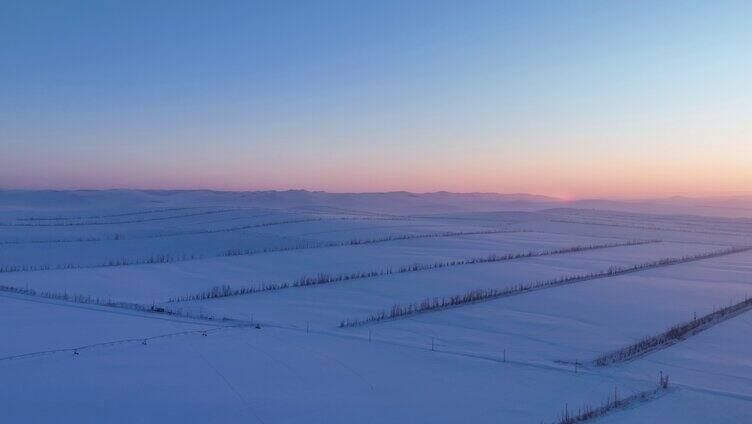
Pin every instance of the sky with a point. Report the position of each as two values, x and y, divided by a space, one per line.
576 99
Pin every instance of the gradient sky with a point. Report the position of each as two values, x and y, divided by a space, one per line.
570 98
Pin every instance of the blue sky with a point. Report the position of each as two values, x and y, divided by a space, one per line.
575 98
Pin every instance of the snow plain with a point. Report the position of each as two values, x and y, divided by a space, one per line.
516 359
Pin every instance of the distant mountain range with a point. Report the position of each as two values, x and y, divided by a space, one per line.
399 202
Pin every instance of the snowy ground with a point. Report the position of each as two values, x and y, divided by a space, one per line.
517 359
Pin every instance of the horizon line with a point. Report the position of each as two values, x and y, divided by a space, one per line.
547 197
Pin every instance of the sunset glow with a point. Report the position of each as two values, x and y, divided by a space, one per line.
490 98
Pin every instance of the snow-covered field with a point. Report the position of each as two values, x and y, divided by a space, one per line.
91 281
